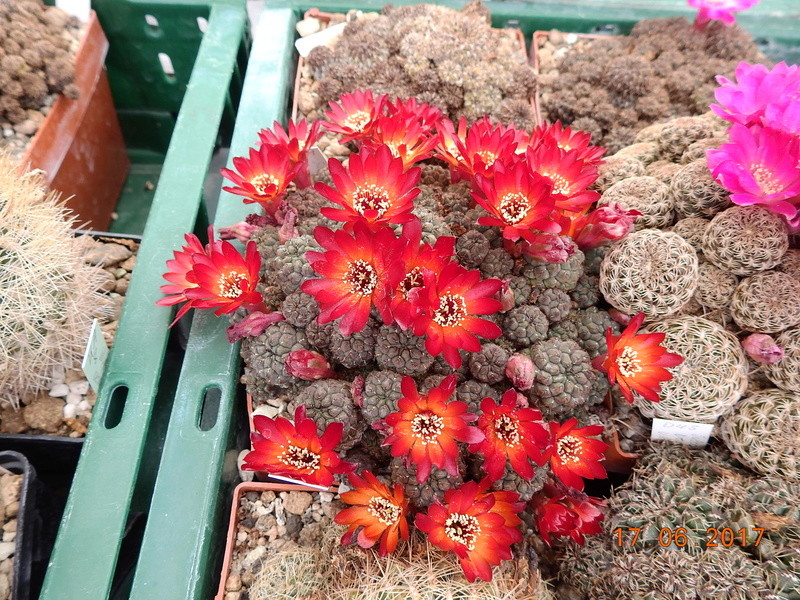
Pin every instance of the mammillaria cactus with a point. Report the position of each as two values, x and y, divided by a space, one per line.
786 372
712 377
745 239
695 192
715 287
646 194
762 432
767 302
649 271
49 296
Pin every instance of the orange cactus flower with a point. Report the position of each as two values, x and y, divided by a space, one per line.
565 138
518 200
226 280
354 115
569 175
575 453
294 450
514 434
637 362
475 149
357 271
448 304
426 427
376 513
375 189
262 177
474 525
506 503
408 138
416 258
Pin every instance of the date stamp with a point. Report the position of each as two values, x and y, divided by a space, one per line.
680 537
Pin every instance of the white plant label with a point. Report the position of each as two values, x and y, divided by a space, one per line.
306 44
682 432
94 360
76 8
290 480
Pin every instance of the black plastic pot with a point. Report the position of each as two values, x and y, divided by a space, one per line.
27 523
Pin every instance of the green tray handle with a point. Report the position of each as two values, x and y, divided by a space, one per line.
198 467
83 562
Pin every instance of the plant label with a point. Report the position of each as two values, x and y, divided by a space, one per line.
76 8
290 480
306 44
681 432
94 360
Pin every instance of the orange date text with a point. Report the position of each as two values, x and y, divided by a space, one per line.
667 536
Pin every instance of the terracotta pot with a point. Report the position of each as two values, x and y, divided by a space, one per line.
240 490
325 17
79 145
617 460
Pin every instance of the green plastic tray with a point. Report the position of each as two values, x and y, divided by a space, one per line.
111 492
180 553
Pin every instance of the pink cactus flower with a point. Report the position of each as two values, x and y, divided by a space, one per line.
784 116
718 10
756 87
762 348
308 365
760 166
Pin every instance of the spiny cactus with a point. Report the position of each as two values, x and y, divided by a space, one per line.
49 296
786 373
767 302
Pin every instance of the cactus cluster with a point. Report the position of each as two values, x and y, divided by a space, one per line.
49 295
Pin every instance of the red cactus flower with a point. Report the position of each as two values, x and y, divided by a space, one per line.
226 280
179 273
354 115
565 138
575 453
376 513
374 189
416 258
426 427
408 139
473 524
262 177
637 363
566 512
519 201
296 142
599 227
448 304
357 271
295 450
475 149
426 115
515 434
569 175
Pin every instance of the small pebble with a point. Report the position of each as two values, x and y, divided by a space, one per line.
59 391
70 411
79 387
74 399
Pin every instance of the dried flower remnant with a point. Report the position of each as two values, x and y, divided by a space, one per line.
262 177
566 512
637 363
354 115
426 427
514 435
760 166
294 450
448 304
598 227
756 89
575 454
762 348
473 524
376 513
520 371
308 365
718 10
374 189
518 201
357 271
252 325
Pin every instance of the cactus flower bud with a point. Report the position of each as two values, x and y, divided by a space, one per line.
551 248
520 370
619 316
252 325
308 365
604 225
762 348
506 296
